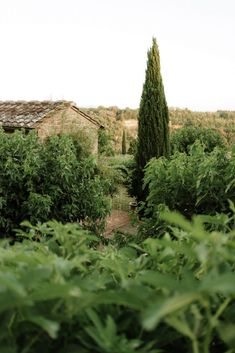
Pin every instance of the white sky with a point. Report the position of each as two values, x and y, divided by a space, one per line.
94 51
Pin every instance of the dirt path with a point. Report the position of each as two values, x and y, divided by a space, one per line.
119 220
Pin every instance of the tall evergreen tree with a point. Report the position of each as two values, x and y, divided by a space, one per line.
153 120
124 142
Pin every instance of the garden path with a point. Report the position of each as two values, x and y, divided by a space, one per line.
121 221
120 218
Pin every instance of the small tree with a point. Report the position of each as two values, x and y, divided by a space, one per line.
124 142
153 120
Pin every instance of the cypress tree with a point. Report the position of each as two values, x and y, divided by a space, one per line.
153 120
124 142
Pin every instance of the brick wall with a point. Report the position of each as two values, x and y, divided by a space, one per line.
68 121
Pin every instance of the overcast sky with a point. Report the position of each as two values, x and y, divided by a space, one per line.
94 52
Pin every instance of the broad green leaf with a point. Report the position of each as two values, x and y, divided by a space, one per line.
227 333
180 325
155 312
131 299
220 283
51 327
159 280
177 219
48 291
11 282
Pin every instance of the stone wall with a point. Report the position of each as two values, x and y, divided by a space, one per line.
68 121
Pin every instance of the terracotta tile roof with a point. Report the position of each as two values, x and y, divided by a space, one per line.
25 114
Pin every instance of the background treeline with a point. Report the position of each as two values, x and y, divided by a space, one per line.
116 120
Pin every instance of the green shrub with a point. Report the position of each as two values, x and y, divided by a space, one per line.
83 142
121 166
198 183
132 145
112 177
63 293
42 181
105 145
183 138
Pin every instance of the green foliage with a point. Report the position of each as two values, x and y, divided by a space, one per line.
153 130
124 142
132 146
117 170
126 165
51 180
113 118
105 143
112 177
182 139
119 159
198 183
122 164
153 139
83 142
63 293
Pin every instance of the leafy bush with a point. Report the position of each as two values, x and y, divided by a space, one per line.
112 177
42 181
121 166
64 294
105 145
83 142
126 165
198 183
183 138
132 145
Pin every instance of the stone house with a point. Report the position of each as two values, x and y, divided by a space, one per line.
48 118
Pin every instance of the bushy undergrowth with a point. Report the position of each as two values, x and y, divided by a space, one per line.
194 183
50 180
64 293
105 143
182 139
122 167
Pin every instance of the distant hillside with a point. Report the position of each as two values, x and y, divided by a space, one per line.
115 120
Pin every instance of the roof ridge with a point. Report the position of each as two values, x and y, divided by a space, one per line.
88 117
28 113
